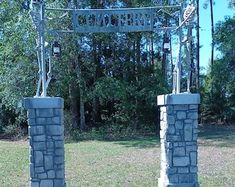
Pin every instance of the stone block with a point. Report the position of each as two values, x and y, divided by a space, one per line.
174 138
49 162
59 160
42 176
44 112
31 113
31 170
31 158
193 158
179 151
193 169
47 183
163 125
171 170
181 161
39 146
59 144
34 184
188 132
36 130
189 121
193 107
173 178
184 170
50 145
60 137
170 109
178 99
58 112
195 136
193 178
162 134
191 143
40 138
54 130
163 116
192 115
43 102
171 129
38 159
60 166
163 109
181 115
170 119
39 170
59 152
57 120
59 183
44 121
179 125
191 148
182 144
32 121
60 174
181 107
176 144
51 174
184 178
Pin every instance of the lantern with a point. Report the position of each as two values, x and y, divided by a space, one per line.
56 49
166 45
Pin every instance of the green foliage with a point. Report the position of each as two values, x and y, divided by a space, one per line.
219 92
114 76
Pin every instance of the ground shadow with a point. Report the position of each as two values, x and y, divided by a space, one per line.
217 135
142 142
137 141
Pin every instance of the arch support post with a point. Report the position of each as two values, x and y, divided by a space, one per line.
46 140
179 134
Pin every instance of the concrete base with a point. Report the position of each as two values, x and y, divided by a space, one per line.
161 183
179 122
178 99
46 136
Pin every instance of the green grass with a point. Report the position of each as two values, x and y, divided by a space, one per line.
133 162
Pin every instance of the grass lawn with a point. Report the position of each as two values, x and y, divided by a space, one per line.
134 162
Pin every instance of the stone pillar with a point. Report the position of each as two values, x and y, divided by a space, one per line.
179 133
46 137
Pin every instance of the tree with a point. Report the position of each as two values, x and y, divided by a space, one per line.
198 46
211 2
231 3
219 92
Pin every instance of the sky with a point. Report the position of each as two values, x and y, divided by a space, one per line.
220 11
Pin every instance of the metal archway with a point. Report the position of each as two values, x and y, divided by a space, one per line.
146 19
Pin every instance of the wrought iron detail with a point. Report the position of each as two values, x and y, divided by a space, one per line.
150 19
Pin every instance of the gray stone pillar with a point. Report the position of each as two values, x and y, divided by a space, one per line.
46 136
179 133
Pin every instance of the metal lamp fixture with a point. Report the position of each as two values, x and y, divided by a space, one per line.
56 49
166 45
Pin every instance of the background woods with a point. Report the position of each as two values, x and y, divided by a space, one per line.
109 81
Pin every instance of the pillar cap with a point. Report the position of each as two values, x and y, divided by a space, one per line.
179 99
43 102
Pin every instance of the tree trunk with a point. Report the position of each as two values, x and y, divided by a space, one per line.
152 48
73 99
138 74
83 126
198 48
212 32
164 61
